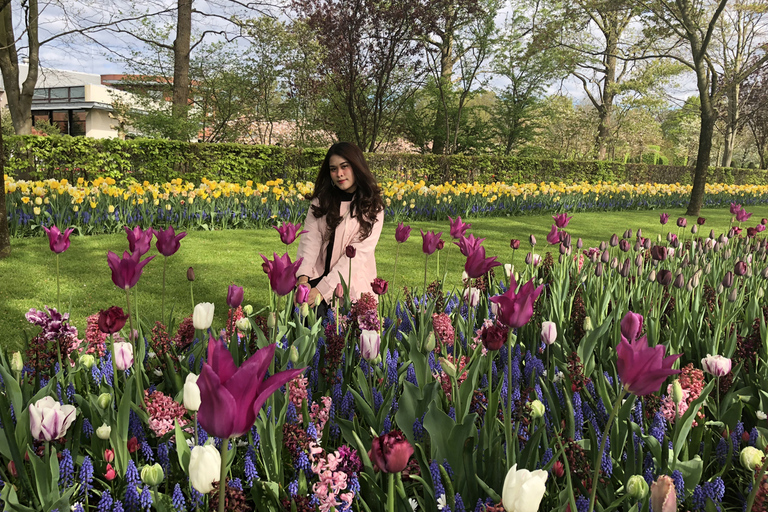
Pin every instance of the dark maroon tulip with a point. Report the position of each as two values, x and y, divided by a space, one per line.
350 251
565 238
469 244
639 233
679 281
458 228
614 241
495 336
289 232
682 222
664 277
391 452
599 269
659 252
127 270
440 244
112 320
139 240
514 243
728 279
58 241
627 234
168 242
751 232
664 218
605 257
625 268
234 296
624 245
281 272
190 274
700 221
430 240
379 286
402 233
478 265
740 268
516 308
764 221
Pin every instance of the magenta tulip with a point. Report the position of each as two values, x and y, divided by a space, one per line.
469 244
562 220
553 237
390 452
234 296
127 270
478 265
643 369
231 397
139 240
516 309
430 239
282 273
302 293
458 228
402 233
742 215
168 242
735 208
58 241
631 325
289 232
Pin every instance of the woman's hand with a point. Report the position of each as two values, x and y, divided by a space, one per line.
313 293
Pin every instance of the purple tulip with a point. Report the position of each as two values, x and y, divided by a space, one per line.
514 244
58 241
742 215
631 325
469 244
562 220
168 242
139 240
664 218
289 232
516 309
402 233
391 452
458 228
478 265
430 240
231 397
127 270
234 296
643 369
282 273
553 237
735 208
302 293
682 222
350 251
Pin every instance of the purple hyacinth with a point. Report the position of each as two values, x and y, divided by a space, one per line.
66 470
146 452
659 426
677 478
86 474
163 457
177 499
578 415
459 504
87 428
106 502
249 468
293 488
437 480
145 500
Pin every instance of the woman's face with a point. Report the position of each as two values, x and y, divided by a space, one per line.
342 174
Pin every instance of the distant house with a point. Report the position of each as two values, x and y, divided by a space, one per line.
78 103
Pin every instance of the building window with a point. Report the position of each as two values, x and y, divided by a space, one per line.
69 122
59 94
77 125
61 119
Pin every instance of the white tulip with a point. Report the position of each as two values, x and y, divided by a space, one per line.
103 431
191 393
202 318
204 467
523 489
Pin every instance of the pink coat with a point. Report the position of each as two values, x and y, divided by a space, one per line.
312 247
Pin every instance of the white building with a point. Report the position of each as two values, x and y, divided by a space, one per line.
77 102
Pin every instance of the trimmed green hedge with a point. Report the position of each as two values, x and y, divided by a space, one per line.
35 157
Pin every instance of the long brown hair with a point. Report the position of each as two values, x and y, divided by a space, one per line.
367 202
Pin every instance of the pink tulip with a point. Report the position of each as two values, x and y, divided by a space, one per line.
548 332
126 271
430 239
289 232
58 241
631 325
553 237
468 244
516 309
716 365
458 228
562 220
478 265
231 397
302 293
643 369
663 496
281 272
390 452
139 240
234 296
123 355
168 242
402 233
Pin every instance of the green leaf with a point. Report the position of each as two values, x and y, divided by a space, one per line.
182 448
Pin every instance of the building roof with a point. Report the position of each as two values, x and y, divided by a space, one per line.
48 77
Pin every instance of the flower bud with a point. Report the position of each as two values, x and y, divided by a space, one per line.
733 295
537 409
637 487
304 309
532 239
588 324
190 274
679 281
17 363
293 354
243 324
103 431
677 391
599 270
652 275
104 400
548 332
429 343
204 468
153 475
448 367
508 270
339 292
109 455
87 360
191 397
248 310
318 299
751 458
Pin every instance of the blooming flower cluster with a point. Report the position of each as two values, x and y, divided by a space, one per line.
163 410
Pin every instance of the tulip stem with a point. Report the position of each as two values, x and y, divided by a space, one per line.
606 433
58 287
756 485
194 420
223 475
426 260
508 423
192 295
394 278
162 302
390 493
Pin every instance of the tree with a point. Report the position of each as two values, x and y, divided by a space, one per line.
693 24
753 95
370 46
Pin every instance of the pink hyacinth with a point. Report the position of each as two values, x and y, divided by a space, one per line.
163 411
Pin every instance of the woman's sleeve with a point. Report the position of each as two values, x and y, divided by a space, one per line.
363 262
309 244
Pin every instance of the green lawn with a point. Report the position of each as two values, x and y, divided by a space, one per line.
28 276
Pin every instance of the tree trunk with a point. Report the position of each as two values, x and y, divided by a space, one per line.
19 97
731 124
445 83
5 236
708 119
605 111
181 50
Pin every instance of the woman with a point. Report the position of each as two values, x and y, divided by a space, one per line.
346 209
